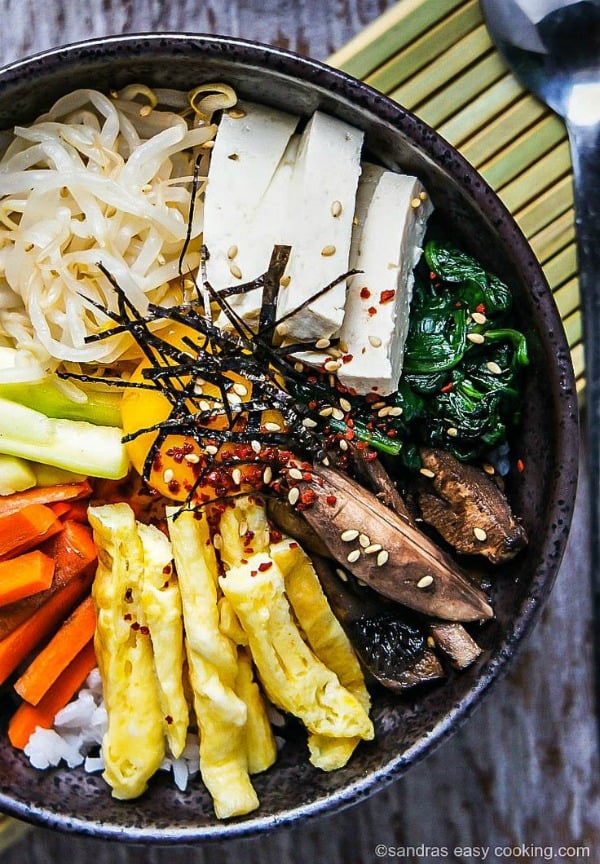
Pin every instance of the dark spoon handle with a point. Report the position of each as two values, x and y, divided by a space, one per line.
585 151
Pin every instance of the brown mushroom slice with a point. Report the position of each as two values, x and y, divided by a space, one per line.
455 643
467 508
392 648
388 553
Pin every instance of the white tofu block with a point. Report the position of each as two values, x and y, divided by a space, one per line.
391 218
248 183
319 230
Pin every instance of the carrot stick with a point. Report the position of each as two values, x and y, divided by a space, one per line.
26 528
27 718
52 660
44 495
25 575
19 644
75 510
73 551
60 508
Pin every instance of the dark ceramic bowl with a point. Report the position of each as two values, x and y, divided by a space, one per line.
406 728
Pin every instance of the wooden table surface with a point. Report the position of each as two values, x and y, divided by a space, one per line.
522 773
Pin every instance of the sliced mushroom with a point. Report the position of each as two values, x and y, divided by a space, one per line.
455 643
467 508
392 648
387 552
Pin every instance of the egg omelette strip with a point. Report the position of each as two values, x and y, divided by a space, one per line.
327 639
133 746
294 679
238 526
212 659
161 604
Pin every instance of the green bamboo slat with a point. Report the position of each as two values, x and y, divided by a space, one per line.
547 206
425 50
435 58
481 111
566 297
535 179
397 27
524 151
449 64
512 121
554 237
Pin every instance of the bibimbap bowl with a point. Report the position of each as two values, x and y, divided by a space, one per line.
408 726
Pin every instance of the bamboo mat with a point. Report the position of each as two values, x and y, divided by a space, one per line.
436 58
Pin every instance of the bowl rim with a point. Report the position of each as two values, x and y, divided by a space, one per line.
384 110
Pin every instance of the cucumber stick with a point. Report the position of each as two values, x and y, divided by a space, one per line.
73 445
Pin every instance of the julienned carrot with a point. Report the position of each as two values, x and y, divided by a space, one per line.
27 718
18 645
44 495
25 575
73 510
73 551
26 528
59 653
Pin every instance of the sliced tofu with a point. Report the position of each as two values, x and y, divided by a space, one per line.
248 184
391 217
321 210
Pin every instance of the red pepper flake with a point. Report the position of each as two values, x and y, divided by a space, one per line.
136 625
432 275
167 570
386 296
392 433
128 616
293 545
264 566
331 500
362 445
372 310
168 719
243 560
253 572
365 293
308 497
371 455
275 536
349 434
145 631
447 387
347 358
307 477
480 308
520 466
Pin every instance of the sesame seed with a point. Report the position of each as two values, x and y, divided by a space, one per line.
493 368
325 461
267 475
272 427
299 367
476 338
309 423
374 547
192 458
345 405
343 346
240 388
489 469
293 495
343 444
295 473
322 343
285 281
383 412
452 431
364 540
336 209
327 411
243 528
341 574
478 317
211 449
377 405
335 353
396 411
338 414
168 475
232 252
145 110
234 399
427 472
198 389
480 534
203 405
236 113
425 582
423 196
328 251
416 202
375 341
332 365
353 556
218 541
236 476
235 271
382 557
349 535
281 329
208 145
255 446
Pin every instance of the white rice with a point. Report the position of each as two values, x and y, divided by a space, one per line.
77 733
